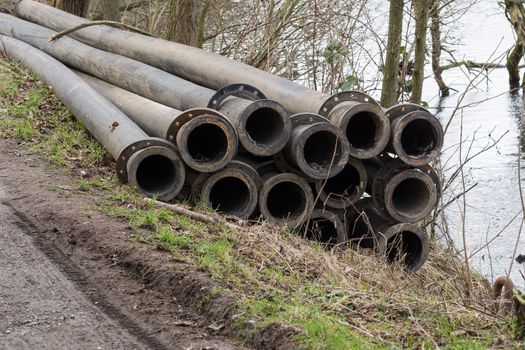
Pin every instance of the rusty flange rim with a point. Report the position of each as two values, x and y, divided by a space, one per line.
345 96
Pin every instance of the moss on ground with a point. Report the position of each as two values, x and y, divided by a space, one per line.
334 300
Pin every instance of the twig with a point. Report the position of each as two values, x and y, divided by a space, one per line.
57 36
191 214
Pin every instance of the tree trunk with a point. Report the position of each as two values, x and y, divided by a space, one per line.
421 14
76 7
513 61
183 21
390 79
103 10
435 32
516 15
201 26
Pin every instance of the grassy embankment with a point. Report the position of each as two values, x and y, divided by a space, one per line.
335 300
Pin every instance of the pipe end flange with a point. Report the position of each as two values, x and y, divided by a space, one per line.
264 128
206 140
417 137
286 199
156 171
410 196
406 243
232 190
320 150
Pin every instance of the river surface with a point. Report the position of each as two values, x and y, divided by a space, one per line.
488 114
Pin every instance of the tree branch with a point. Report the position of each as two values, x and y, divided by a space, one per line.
57 36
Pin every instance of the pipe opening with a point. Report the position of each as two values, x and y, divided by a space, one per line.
405 247
410 196
229 195
156 174
319 150
343 185
207 143
361 130
322 230
418 137
286 200
265 126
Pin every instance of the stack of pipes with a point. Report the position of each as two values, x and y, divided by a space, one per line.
242 141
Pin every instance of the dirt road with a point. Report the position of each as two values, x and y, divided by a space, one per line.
72 278
40 307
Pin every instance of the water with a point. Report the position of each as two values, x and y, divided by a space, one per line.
489 114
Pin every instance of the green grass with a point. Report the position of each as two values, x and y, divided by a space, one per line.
341 300
35 114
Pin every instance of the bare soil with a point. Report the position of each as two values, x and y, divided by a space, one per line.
79 278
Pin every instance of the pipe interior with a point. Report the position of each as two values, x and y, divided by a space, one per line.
361 233
265 126
405 247
319 150
156 174
286 200
344 184
410 196
207 143
361 130
322 230
418 137
229 195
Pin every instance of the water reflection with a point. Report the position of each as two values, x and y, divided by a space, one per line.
515 101
487 123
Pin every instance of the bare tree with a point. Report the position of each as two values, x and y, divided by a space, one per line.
435 33
183 21
389 92
104 10
421 13
76 7
515 12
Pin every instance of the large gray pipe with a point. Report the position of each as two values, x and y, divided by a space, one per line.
316 147
416 135
206 140
325 227
149 164
285 199
263 125
366 126
232 190
345 188
398 242
402 192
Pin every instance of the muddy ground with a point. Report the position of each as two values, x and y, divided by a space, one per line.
70 277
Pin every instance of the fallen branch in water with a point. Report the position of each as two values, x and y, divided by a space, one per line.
473 65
